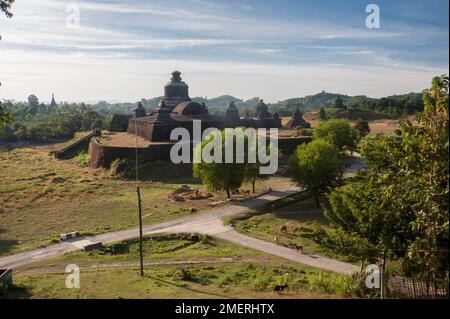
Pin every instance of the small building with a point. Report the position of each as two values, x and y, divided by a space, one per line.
297 120
232 115
177 109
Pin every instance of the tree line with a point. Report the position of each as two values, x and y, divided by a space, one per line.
395 209
35 121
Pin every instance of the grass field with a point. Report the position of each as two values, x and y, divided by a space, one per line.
178 266
41 197
293 213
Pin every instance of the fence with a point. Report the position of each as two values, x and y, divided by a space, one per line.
408 287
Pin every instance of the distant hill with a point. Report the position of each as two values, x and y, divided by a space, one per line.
405 104
351 114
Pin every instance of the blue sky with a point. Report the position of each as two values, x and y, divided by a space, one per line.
125 50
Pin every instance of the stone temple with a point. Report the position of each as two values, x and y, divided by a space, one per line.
176 109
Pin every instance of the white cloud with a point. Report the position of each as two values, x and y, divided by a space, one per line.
88 77
99 58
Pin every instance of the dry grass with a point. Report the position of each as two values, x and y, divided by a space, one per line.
209 268
41 197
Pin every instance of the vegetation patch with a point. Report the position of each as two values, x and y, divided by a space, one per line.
179 266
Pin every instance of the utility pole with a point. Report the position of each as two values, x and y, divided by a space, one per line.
140 231
141 257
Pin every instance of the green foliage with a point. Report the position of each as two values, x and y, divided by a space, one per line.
228 176
39 122
5 117
5 7
398 207
362 127
322 114
406 104
338 132
300 131
82 159
338 103
252 174
316 166
395 105
364 227
345 286
220 176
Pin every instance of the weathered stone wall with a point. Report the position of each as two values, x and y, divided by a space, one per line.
287 145
103 156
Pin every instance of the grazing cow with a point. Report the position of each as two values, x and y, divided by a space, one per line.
295 229
283 228
298 248
280 288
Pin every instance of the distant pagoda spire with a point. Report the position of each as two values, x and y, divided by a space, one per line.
53 102
232 113
139 111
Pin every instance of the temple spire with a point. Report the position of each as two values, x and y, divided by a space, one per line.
53 102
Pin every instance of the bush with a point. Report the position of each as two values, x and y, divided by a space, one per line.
342 285
338 132
83 159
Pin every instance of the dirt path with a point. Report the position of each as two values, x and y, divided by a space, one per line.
209 223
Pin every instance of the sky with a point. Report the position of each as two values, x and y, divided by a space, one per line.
126 50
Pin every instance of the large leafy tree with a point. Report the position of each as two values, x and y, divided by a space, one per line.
224 176
398 207
366 228
220 176
316 166
338 132
5 117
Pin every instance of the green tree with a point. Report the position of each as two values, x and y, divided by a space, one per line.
5 7
252 175
362 127
398 207
220 176
338 132
316 166
365 228
5 117
322 114
339 103
33 101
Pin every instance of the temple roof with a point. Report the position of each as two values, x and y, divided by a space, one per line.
176 90
262 111
190 108
139 111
